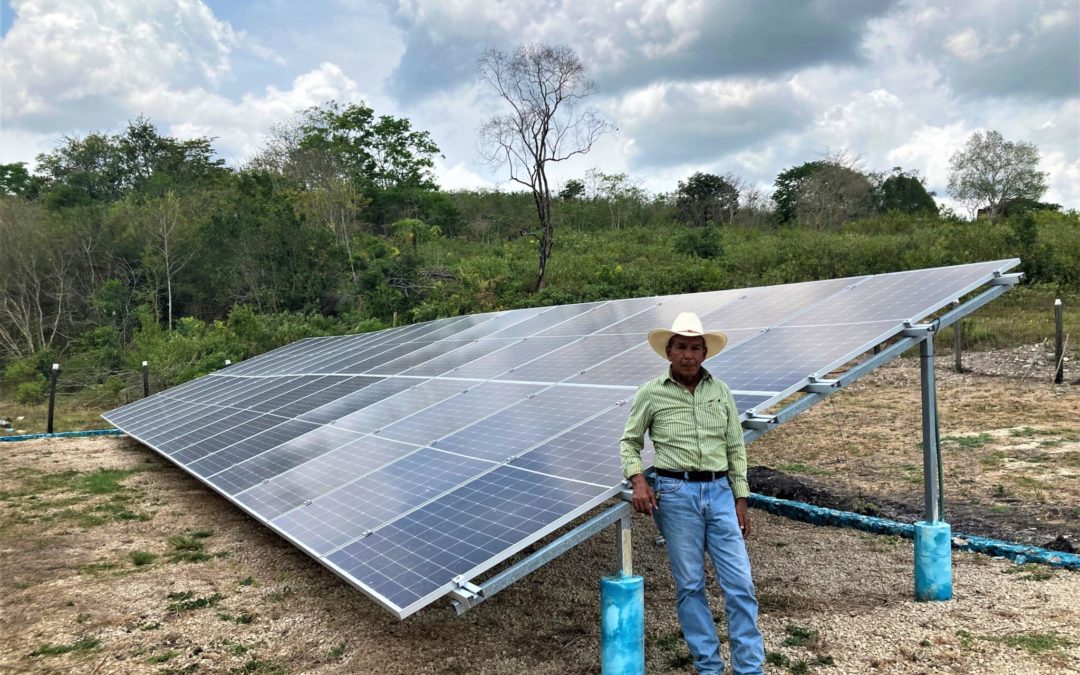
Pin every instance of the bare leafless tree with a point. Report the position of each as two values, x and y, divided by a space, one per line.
170 245
544 87
35 281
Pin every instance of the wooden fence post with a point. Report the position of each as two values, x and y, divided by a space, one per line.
145 379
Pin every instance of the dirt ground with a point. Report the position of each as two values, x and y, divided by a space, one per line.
113 561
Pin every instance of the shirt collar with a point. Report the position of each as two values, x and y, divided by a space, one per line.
705 375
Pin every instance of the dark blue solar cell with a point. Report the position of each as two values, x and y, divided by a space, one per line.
357 400
338 517
530 422
783 357
414 560
250 447
225 438
458 411
393 408
504 360
573 359
322 475
288 455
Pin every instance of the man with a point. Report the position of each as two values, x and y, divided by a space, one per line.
698 493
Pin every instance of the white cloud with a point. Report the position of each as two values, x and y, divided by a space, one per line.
57 52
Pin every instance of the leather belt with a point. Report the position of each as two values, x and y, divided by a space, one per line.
692 476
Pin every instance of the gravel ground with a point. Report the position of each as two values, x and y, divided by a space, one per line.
827 595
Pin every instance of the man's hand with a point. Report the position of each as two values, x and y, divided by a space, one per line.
643 499
742 513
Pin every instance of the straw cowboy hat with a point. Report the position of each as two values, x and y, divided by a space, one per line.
687 324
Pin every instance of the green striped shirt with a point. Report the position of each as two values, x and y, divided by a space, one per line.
691 432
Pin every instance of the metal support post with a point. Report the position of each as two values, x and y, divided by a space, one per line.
145 379
958 346
933 537
52 396
931 511
1059 344
624 552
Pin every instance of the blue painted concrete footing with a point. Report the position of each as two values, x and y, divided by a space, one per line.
933 561
63 434
622 625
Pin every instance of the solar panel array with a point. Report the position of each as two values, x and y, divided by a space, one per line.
412 459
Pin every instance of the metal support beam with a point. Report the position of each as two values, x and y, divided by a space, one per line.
471 595
932 513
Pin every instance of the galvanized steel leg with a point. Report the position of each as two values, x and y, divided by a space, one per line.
931 512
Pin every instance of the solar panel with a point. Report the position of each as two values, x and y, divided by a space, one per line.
411 459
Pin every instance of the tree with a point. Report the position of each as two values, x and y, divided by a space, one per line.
621 195
823 193
16 181
36 293
832 196
572 189
707 198
543 86
788 186
906 193
991 171
99 168
383 153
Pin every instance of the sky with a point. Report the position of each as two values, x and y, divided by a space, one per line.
721 86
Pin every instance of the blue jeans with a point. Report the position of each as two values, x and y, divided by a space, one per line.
699 517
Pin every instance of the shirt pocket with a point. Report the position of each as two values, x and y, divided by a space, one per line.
715 417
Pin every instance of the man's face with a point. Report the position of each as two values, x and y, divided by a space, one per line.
686 355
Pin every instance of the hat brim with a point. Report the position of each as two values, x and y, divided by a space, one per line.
715 341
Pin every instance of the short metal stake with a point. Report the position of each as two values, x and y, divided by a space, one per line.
623 549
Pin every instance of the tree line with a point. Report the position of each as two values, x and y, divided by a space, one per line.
119 247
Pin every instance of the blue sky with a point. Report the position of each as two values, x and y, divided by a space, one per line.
744 88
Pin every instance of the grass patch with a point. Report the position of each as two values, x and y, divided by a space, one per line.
186 602
966 638
259 666
247 581
54 650
141 558
163 657
777 659
188 548
337 651
909 473
104 481
1035 643
1030 572
799 636
150 626
994 459
94 569
1029 432
968 442
804 469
